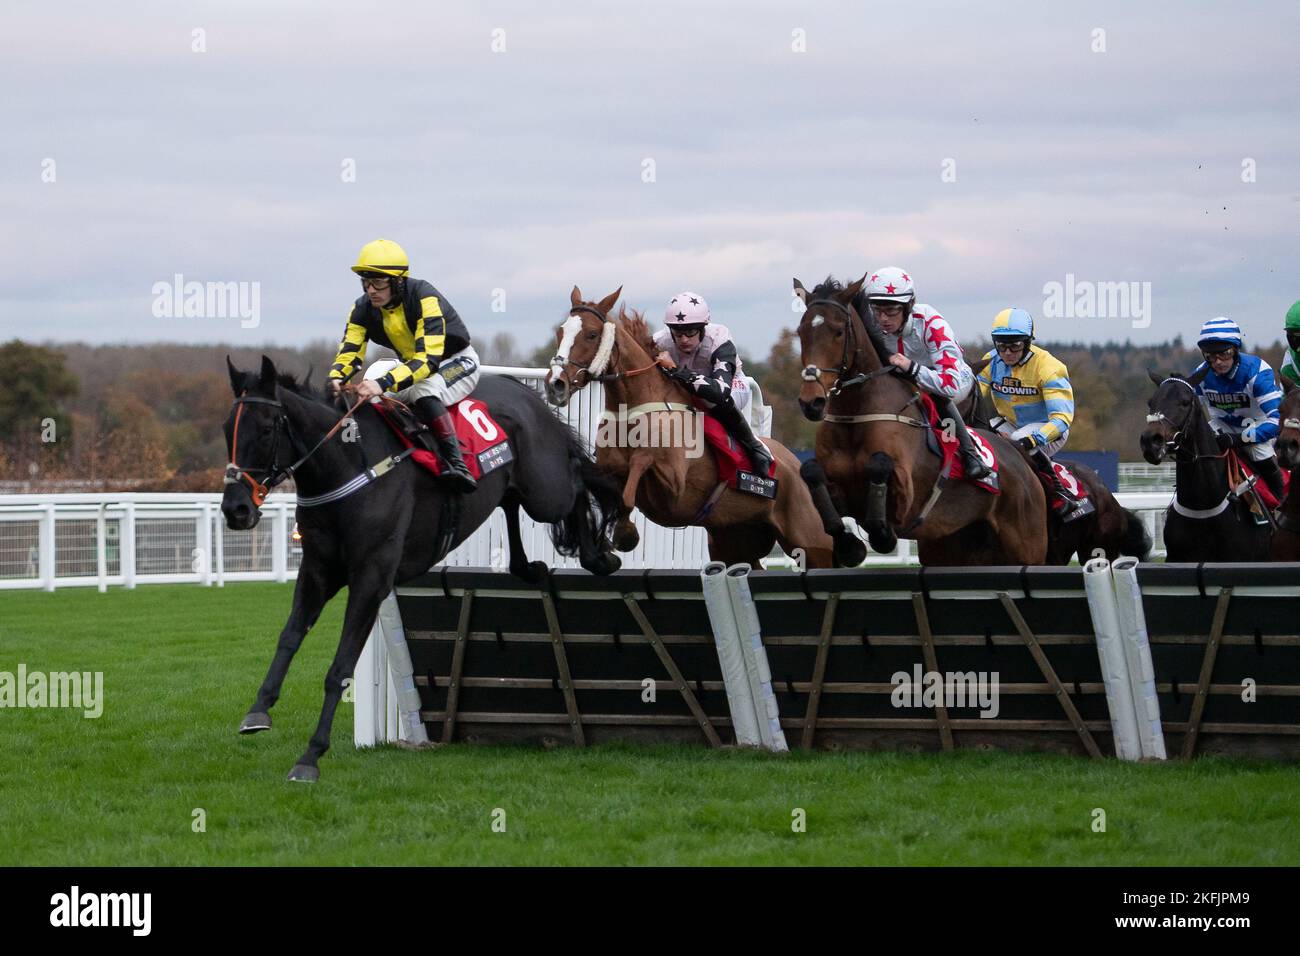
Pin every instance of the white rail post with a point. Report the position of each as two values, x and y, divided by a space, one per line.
221 555
47 563
205 543
126 544
280 544
101 547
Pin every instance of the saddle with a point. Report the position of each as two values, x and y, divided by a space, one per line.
483 442
1240 472
735 469
948 449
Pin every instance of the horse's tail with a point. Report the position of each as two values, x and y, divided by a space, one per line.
600 498
1137 540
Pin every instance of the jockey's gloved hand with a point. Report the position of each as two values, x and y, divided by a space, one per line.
1225 441
910 371
1026 443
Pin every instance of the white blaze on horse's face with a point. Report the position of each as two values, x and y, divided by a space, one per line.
817 321
568 333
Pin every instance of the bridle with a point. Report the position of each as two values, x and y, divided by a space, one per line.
813 373
584 368
1174 444
237 474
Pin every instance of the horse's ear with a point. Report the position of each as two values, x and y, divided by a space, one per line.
851 292
801 292
1288 385
1156 379
306 379
268 373
981 365
607 303
575 297
236 377
1199 377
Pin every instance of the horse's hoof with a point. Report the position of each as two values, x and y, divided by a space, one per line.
532 572
254 721
627 542
304 773
850 552
605 564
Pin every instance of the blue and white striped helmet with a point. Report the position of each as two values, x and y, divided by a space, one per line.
1221 329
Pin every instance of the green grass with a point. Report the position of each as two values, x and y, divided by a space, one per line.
181 665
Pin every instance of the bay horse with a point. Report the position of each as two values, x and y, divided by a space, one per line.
872 462
368 522
1286 538
1110 531
671 488
1205 522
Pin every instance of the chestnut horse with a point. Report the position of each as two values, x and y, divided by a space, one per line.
878 468
670 487
1286 539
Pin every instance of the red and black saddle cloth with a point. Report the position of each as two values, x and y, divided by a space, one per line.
1239 469
483 442
1075 488
735 470
948 449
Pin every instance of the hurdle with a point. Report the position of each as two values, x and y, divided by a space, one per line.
885 659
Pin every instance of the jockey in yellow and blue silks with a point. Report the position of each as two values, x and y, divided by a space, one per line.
438 367
1031 392
1243 398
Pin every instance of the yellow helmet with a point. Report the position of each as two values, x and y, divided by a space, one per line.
382 257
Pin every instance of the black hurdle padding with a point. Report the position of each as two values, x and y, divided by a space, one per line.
609 657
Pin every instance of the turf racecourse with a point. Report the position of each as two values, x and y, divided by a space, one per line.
181 664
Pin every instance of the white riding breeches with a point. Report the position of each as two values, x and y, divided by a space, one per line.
455 378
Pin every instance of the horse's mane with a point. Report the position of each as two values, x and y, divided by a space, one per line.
633 320
300 386
830 286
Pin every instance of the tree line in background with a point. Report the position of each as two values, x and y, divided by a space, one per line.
149 417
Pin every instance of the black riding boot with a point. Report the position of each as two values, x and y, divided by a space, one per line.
1070 505
455 476
733 420
1271 472
970 456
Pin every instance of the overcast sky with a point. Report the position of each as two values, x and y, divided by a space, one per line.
988 148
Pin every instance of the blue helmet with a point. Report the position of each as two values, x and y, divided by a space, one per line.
1013 324
1221 329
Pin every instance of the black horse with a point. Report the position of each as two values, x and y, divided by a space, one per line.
1205 522
385 520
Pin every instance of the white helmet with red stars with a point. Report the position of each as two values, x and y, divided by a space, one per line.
687 308
891 284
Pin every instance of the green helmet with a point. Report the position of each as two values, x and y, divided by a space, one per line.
1293 317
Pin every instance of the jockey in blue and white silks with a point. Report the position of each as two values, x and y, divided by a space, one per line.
1242 397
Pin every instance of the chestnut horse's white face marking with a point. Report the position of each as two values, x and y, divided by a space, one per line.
571 327
817 320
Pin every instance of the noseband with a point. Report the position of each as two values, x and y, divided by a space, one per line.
1174 445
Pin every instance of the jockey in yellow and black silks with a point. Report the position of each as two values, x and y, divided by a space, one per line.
437 366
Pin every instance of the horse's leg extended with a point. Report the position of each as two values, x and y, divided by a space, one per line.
367 588
317 583
798 524
520 566
849 551
626 537
882 537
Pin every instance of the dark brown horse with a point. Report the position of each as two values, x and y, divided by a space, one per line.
1109 531
1206 521
872 459
1286 538
670 487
